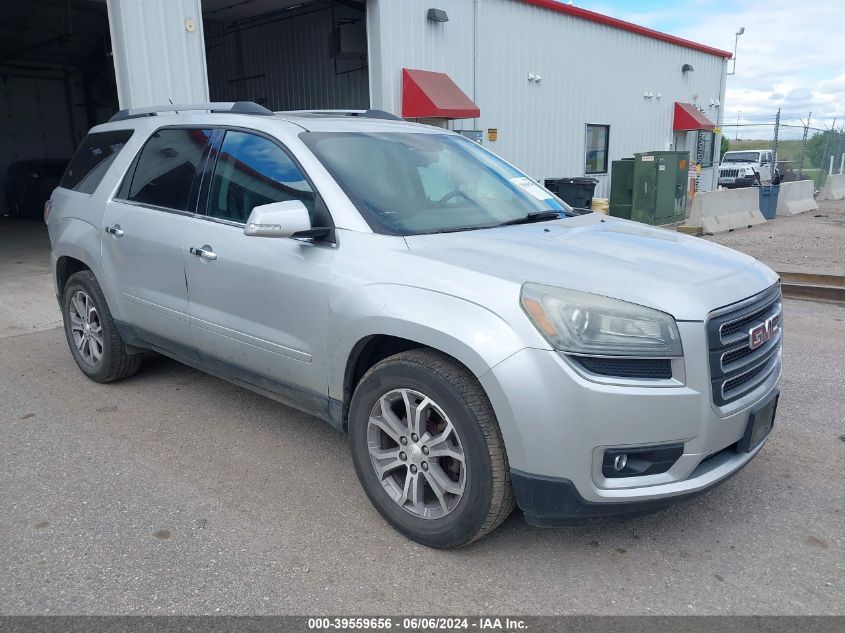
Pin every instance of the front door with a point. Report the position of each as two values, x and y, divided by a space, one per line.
258 306
144 231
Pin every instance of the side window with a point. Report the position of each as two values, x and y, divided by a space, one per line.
250 171
92 160
166 168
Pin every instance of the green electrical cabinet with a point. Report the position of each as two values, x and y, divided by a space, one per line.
621 188
658 187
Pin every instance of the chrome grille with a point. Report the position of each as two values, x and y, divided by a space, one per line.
729 173
735 368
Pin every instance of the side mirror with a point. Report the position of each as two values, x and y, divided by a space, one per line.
278 219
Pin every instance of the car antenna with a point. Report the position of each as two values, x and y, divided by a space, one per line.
171 103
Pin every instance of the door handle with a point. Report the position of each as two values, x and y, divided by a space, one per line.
114 231
205 252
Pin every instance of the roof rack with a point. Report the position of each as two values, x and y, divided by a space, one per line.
233 107
367 114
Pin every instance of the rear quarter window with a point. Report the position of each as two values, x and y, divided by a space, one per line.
92 160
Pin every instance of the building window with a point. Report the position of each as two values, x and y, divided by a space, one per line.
596 153
705 148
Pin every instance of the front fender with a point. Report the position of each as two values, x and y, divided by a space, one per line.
472 334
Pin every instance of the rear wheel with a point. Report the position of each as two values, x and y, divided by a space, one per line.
91 335
428 450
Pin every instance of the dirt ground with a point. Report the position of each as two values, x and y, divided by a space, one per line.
813 242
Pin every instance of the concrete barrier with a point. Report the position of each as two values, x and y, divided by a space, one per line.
725 210
834 188
796 197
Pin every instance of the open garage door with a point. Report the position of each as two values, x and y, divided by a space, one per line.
287 54
56 81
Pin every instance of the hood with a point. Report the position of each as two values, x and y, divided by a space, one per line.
684 276
735 165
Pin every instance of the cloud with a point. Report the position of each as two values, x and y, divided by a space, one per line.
799 94
789 57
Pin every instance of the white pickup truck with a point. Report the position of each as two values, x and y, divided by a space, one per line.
747 168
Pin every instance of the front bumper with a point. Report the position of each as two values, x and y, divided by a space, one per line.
556 424
730 182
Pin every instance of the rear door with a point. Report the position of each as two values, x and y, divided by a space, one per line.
258 305
144 236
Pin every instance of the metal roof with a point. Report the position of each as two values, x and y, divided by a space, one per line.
600 18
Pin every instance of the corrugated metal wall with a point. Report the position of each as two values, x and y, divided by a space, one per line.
284 63
591 73
158 52
400 36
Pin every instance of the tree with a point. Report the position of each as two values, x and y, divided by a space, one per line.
726 145
829 140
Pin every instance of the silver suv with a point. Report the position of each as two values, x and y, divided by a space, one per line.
481 344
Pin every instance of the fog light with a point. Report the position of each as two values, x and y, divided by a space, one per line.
620 461
640 460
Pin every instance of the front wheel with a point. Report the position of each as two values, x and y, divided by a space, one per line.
428 450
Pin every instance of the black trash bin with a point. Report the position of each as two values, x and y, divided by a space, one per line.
576 192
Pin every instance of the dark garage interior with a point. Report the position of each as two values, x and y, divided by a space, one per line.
56 81
57 74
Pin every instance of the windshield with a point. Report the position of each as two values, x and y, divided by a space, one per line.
741 157
405 183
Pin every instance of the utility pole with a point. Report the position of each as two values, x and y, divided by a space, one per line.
804 145
736 134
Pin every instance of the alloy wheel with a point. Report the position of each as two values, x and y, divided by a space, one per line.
86 328
416 453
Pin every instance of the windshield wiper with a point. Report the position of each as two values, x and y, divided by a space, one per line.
536 216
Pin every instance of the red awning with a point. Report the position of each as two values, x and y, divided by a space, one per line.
688 117
427 94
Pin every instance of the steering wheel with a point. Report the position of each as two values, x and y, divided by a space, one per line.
453 194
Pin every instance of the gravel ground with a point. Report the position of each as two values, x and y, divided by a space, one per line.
173 492
813 242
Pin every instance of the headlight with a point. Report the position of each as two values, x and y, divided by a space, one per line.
584 323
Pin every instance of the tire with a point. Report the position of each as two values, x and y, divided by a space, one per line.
83 303
459 420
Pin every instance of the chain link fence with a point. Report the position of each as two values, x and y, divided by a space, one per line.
803 149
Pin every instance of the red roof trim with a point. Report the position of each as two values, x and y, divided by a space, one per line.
428 94
592 16
688 117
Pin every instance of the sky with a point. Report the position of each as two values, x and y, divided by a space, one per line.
788 58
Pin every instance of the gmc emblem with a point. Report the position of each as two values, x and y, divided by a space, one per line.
762 333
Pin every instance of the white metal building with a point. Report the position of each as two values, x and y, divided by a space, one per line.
555 89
